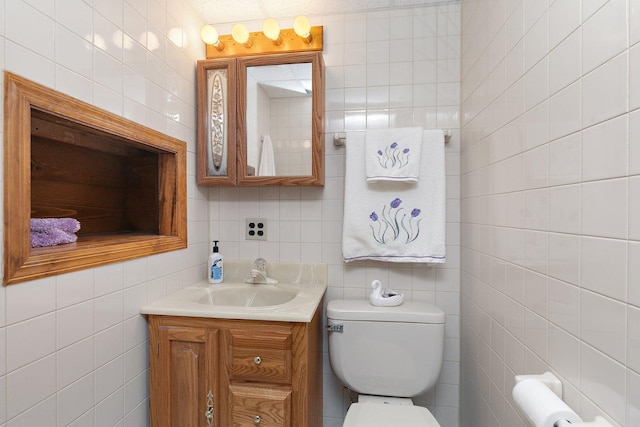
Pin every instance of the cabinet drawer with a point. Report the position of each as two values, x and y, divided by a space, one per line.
259 407
257 356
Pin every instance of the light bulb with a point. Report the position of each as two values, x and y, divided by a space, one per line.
240 34
271 30
210 36
302 27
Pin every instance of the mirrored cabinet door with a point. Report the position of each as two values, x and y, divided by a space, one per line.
280 119
261 120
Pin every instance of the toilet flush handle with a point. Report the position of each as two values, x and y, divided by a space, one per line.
336 327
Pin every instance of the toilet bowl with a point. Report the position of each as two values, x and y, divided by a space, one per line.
376 415
384 411
387 355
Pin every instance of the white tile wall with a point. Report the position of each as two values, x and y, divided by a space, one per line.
601 160
612 20
634 59
603 266
73 347
601 102
563 165
604 208
569 299
564 111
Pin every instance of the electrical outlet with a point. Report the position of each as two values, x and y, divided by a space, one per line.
256 229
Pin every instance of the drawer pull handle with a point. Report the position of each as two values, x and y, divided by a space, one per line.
257 419
257 360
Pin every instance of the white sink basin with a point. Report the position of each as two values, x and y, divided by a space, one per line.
295 298
247 296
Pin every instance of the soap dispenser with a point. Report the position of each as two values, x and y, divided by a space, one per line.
215 271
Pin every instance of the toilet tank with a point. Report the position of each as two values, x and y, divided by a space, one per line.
387 351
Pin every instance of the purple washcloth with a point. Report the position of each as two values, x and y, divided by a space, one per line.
68 225
51 237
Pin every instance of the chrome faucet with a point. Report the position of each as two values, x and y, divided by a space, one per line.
259 273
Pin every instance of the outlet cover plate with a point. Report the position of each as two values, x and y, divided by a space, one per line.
256 229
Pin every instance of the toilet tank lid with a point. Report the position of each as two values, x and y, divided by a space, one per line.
408 311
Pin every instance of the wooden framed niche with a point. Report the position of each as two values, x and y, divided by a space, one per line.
124 183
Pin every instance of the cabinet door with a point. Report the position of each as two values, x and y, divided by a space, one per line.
216 92
258 406
183 377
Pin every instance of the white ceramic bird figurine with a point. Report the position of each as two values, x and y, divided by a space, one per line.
388 298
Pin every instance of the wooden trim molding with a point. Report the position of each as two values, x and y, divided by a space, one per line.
95 130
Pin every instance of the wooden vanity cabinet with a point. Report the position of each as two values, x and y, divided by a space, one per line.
259 373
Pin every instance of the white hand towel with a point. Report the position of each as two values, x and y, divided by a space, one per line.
393 154
267 161
391 221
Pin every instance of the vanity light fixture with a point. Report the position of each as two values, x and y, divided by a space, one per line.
301 38
271 30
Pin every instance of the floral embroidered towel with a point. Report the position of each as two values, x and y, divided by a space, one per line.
392 221
393 154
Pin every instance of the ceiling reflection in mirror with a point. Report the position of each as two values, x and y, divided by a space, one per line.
279 125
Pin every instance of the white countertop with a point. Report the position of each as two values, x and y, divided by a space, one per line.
307 280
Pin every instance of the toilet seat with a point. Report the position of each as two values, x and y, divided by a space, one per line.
380 415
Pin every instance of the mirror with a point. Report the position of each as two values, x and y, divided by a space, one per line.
279 139
280 119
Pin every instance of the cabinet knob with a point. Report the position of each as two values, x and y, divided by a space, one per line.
257 419
257 360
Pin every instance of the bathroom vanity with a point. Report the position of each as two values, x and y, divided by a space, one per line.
241 372
251 362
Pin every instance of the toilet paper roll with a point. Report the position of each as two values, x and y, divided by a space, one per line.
540 405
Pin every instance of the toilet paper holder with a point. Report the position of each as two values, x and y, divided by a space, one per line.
555 385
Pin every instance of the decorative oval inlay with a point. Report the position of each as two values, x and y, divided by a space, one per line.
217 121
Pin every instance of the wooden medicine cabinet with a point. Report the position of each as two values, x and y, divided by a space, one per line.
124 183
244 101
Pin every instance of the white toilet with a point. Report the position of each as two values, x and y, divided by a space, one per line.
387 355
